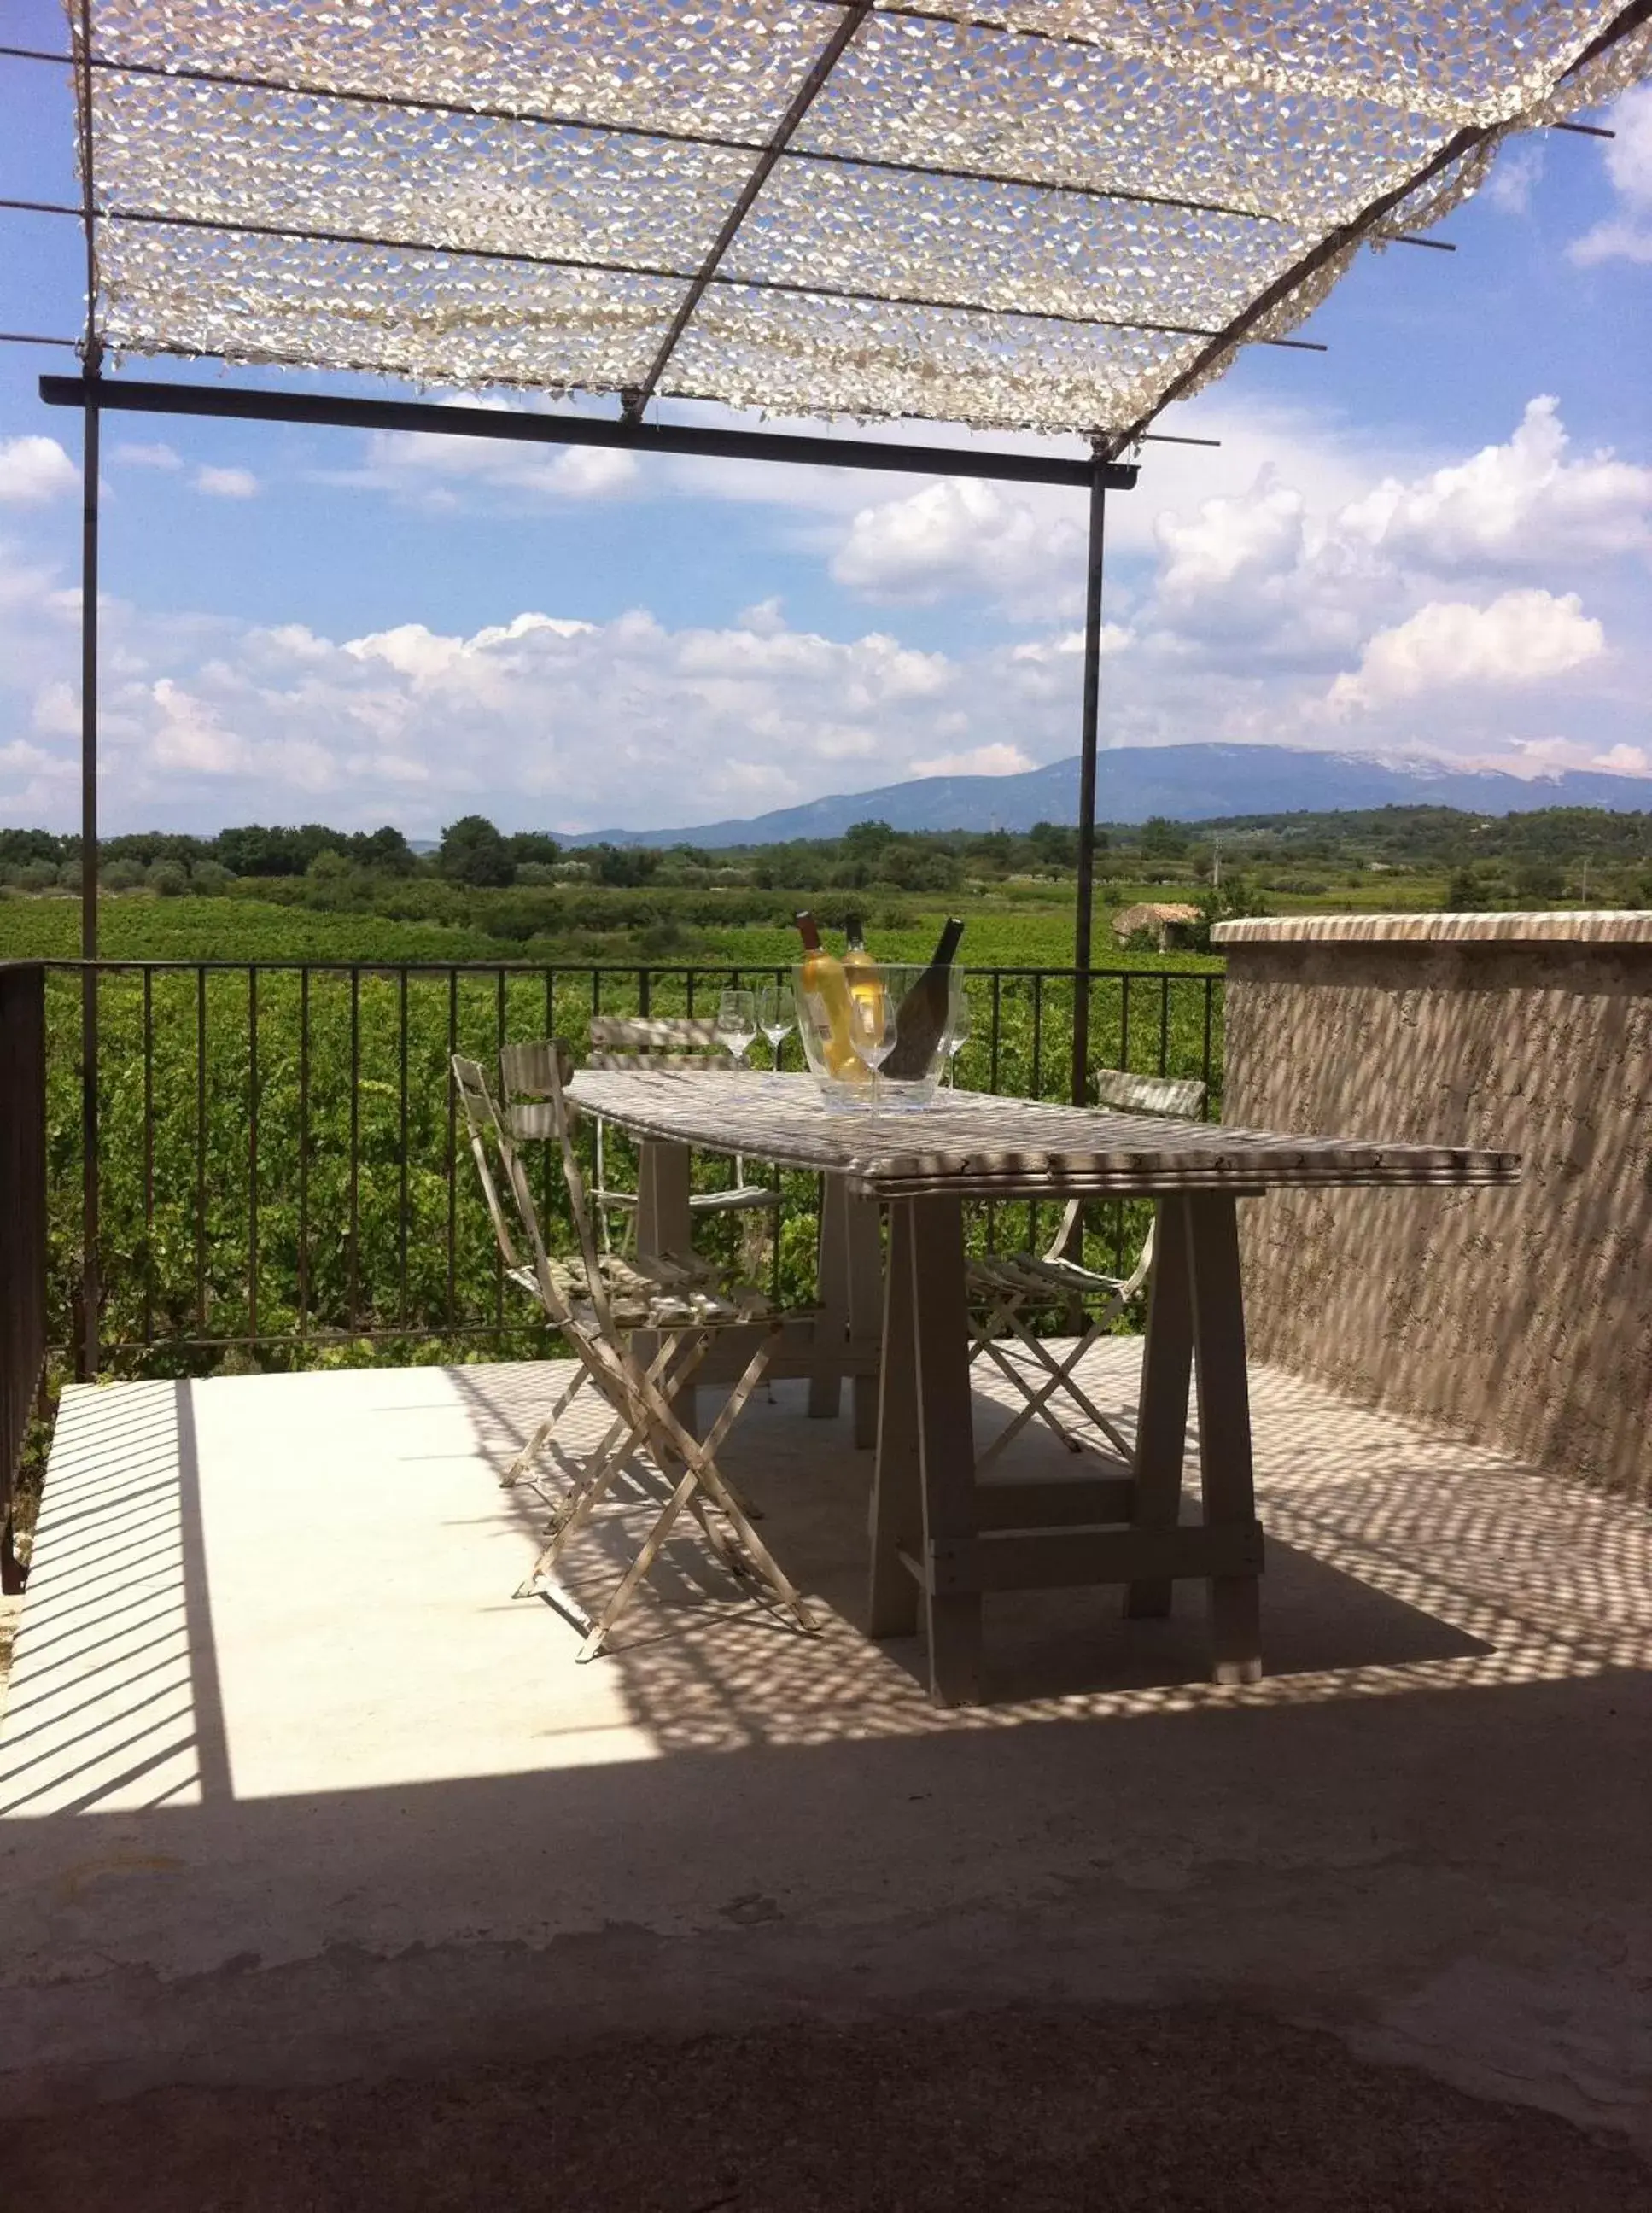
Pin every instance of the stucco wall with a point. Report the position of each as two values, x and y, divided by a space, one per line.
1522 1317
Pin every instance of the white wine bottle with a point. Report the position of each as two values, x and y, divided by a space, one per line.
922 1017
825 996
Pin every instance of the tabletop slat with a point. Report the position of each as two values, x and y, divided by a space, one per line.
975 1144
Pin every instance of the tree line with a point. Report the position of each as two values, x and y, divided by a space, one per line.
1548 853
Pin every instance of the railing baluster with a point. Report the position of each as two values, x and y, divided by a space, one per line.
252 1150
303 1151
1209 993
200 1149
452 1145
493 1077
148 1156
402 1245
354 1293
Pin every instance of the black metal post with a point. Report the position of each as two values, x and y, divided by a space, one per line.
1083 919
91 419
88 1349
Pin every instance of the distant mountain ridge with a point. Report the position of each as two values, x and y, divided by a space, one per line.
1189 783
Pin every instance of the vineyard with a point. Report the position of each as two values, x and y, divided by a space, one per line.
281 1178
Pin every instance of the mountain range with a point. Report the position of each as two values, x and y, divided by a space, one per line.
1188 784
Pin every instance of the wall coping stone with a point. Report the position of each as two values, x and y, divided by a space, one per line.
1594 928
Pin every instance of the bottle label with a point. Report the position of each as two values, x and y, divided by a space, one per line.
819 1020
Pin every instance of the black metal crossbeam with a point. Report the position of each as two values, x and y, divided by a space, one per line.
243 403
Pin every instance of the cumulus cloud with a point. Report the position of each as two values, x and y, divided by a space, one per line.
33 470
1515 176
960 534
1626 234
1521 502
225 482
147 457
1521 639
979 761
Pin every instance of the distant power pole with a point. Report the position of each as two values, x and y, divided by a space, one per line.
1215 863
1586 879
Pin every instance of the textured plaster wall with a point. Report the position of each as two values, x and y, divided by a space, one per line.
1522 1317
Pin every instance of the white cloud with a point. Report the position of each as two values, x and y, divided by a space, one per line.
1524 501
1626 234
1521 639
33 470
1515 176
147 457
189 735
226 484
979 761
960 534
432 469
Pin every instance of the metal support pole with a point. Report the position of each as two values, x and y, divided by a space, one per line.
91 419
88 1361
1083 923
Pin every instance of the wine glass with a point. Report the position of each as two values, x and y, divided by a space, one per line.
872 1030
736 1025
777 1017
958 1029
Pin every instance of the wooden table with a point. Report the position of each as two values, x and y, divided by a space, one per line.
940 1539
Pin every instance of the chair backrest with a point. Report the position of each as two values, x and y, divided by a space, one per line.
1173 1095
481 1124
483 1120
672 1042
539 1067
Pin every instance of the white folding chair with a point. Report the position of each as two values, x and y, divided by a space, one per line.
601 1303
669 1042
1006 1288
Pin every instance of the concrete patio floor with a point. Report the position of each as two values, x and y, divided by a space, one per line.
292 1792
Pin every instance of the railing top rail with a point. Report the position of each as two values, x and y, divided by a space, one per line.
371 966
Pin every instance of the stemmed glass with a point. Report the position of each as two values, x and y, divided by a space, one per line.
777 1017
872 1030
958 1028
736 1025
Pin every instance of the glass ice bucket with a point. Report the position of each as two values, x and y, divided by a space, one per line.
877 1040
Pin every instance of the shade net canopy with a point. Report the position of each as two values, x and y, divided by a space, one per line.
1056 215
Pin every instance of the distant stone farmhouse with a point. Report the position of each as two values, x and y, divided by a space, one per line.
1166 922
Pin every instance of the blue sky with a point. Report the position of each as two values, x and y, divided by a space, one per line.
1432 539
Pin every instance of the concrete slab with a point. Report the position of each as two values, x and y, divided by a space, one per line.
291 1790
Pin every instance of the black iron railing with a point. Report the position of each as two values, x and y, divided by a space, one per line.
279 1172
23 1227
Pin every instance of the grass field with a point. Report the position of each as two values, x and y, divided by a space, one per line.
1001 932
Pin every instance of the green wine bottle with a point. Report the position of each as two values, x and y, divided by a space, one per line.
922 1016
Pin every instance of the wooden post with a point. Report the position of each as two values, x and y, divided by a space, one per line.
897 1480
1167 1367
1224 1423
946 1440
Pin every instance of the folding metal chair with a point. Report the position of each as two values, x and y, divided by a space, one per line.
1006 1288
669 1042
601 1303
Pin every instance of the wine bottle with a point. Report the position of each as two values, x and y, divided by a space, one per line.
861 973
825 1000
922 1012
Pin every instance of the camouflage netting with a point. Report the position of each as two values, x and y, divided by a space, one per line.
1052 214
